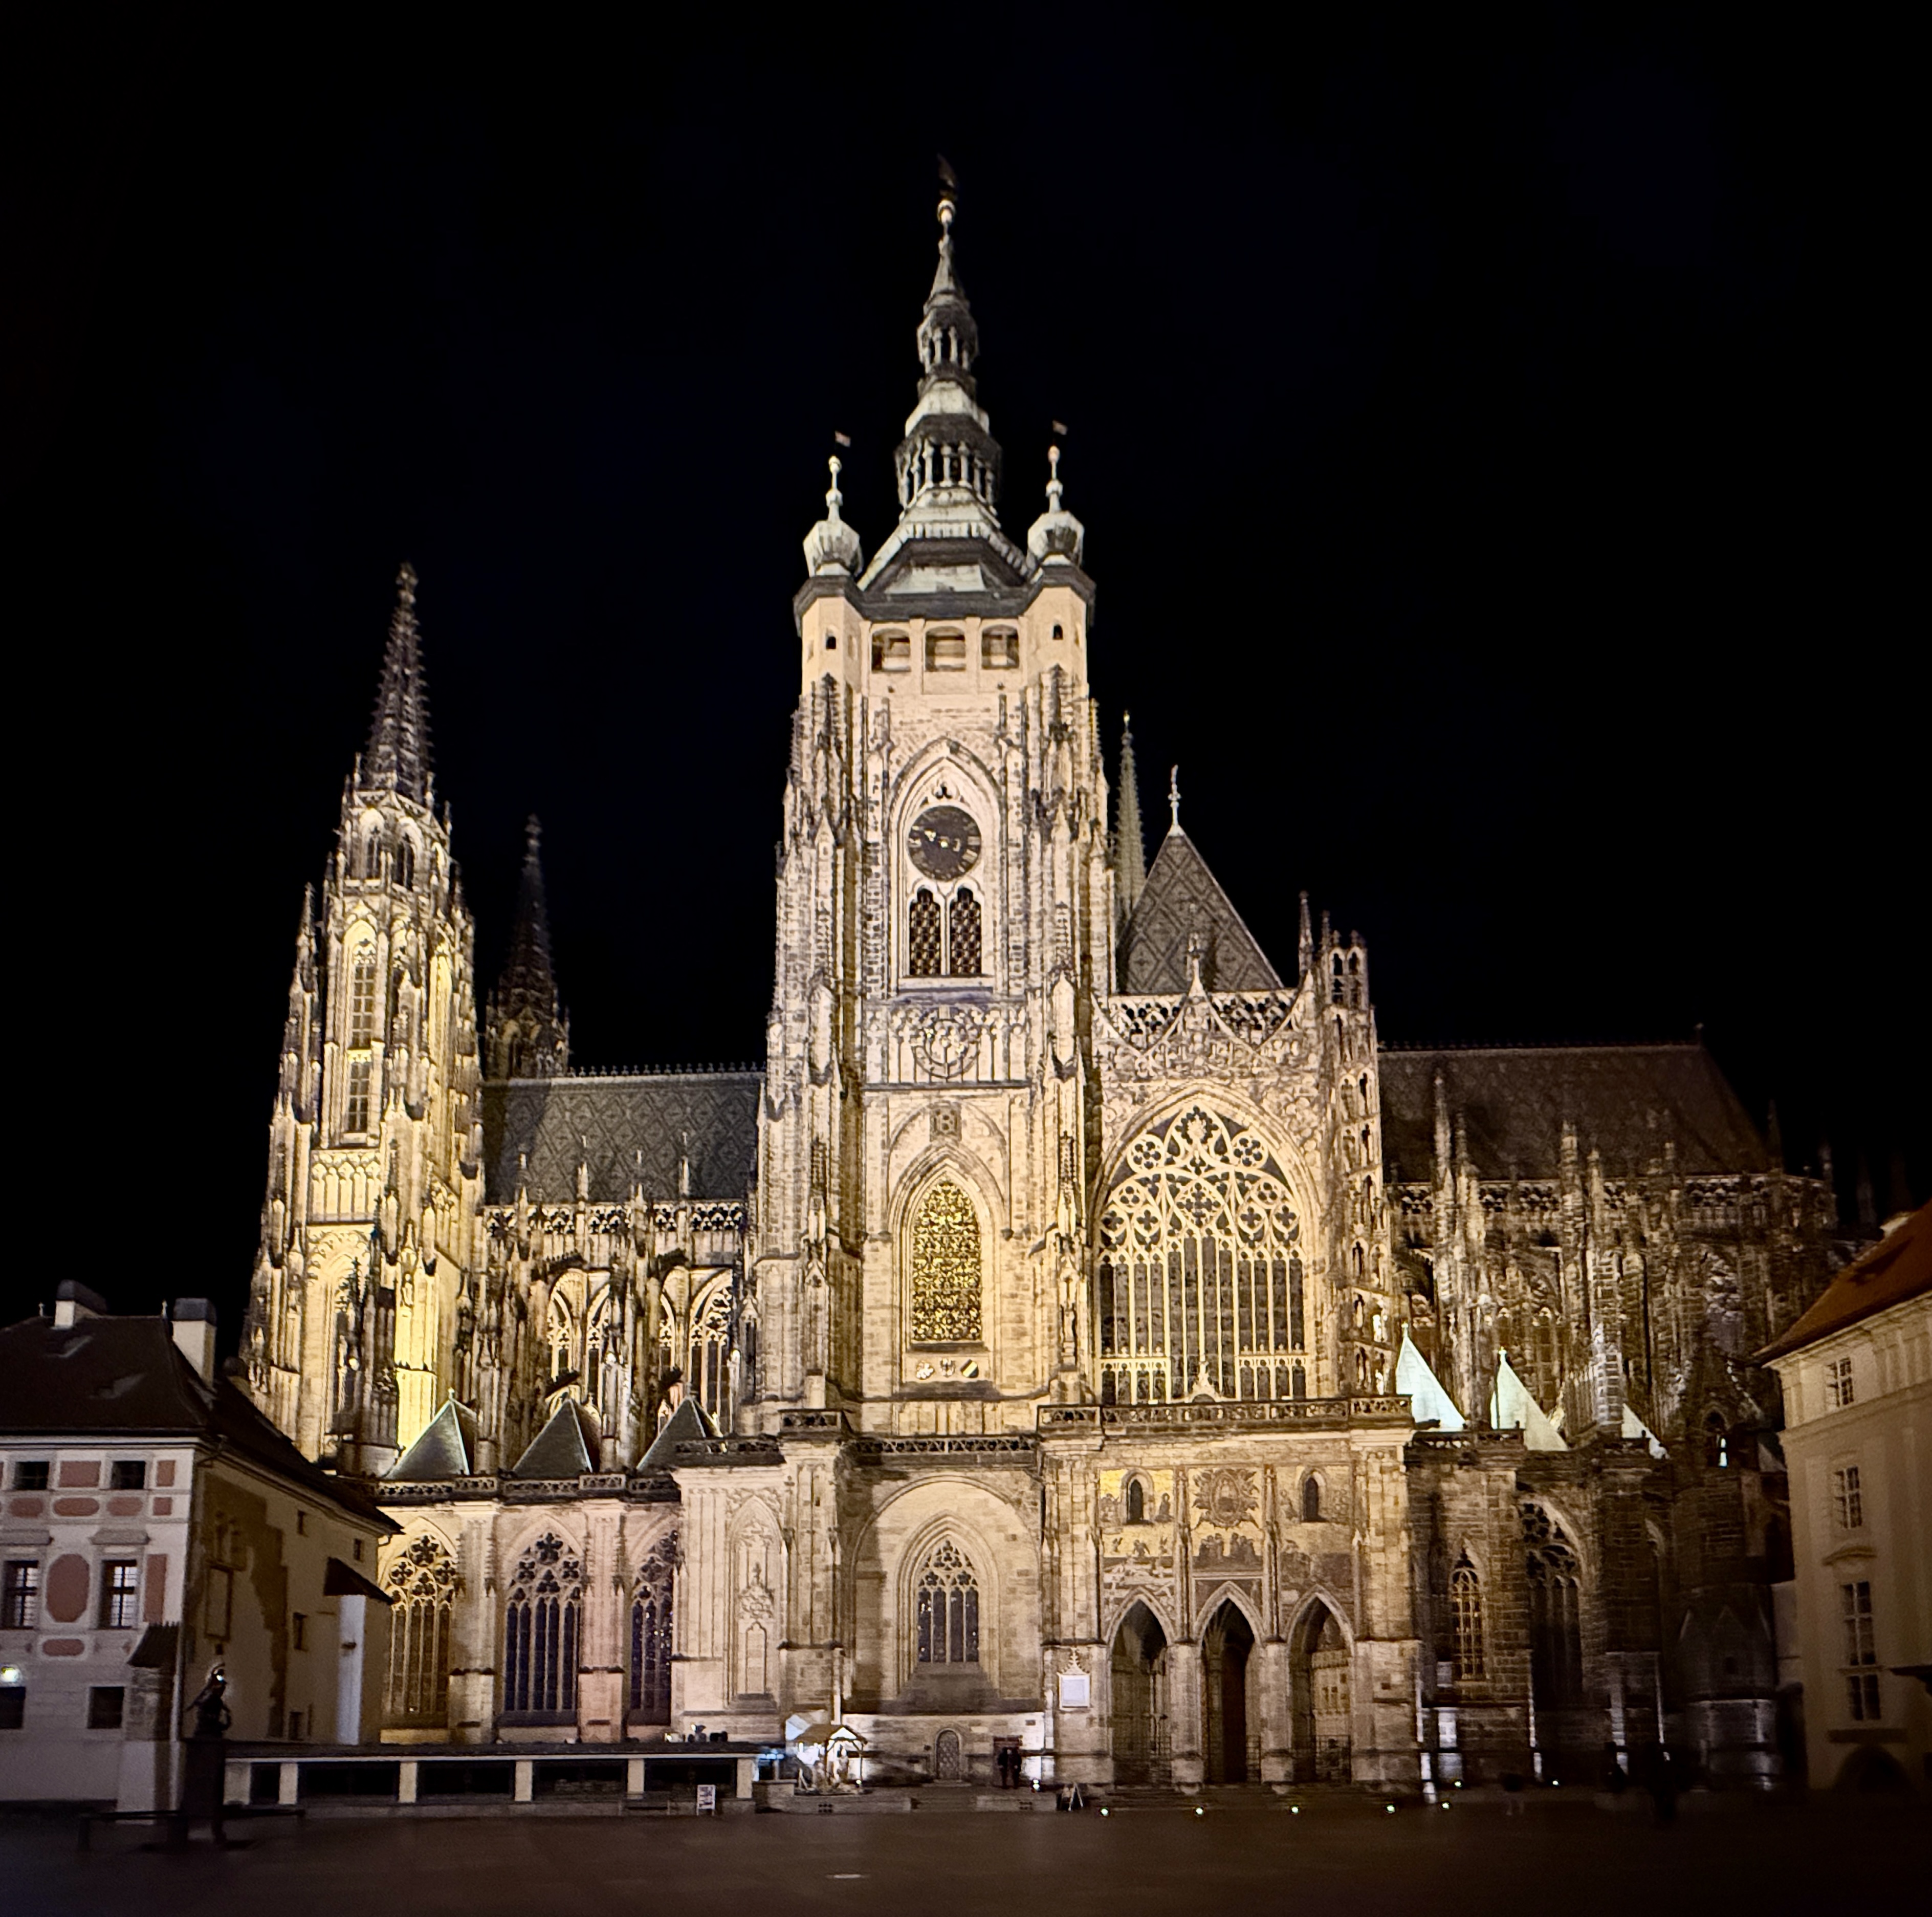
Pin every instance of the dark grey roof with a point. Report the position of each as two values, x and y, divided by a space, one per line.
687 1424
625 1129
446 1448
126 1378
398 754
1182 898
1625 1101
567 1446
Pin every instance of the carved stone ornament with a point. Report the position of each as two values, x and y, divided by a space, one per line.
1226 1497
946 1038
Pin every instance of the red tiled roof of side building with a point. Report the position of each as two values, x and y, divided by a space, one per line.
1898 1267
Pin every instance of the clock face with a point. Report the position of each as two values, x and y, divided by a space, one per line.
943 842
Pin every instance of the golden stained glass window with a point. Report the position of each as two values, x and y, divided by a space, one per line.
945 1266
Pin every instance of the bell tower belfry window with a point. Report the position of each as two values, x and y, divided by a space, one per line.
943 915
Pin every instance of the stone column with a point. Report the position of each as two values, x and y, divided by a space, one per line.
473 1661
600 1702
1183 1715
1277 1725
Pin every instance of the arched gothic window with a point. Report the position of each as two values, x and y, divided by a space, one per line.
1336 989
1555 1626
1717 1442
651 1634
541 1632
948 1609
946 1267
1466 1613
421 1584
710 1370
1136 1501
406 863
923 939
964 928
1200 1278
372 855
1311 1499
362 1001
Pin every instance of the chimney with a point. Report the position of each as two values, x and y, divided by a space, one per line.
193 1321
73 1301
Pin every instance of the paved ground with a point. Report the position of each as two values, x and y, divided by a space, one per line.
1754 1858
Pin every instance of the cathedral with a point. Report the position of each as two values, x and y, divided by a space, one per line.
1081 1345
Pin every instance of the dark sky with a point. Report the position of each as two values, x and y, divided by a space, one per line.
1477 428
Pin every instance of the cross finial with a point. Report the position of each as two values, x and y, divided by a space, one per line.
1173 794
405 584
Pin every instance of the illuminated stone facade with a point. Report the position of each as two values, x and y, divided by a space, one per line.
1034 1317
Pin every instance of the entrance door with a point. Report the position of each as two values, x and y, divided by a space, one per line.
1319 1663
947 1765
1139 1692
1225 1651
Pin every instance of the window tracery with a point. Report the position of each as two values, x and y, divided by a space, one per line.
652 1621
1201 1281
362 1001
964 930
1466 1612
421 1583
1555 1628
541 1629
946 1267
948 1609
709 1373
922 935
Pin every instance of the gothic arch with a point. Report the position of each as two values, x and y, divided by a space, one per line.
1247 1602
916 1555
420 1573
972 787
943 1170
758 1580
1153 1602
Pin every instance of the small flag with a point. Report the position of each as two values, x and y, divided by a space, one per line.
842 439
1060 428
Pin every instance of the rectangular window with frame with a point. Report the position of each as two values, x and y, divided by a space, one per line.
105 1704
218 1607
355 1106
127 1474
1847 1499
999 652
20 1602
295 1727
1861 1665
299 1630
120 1594
1838 1390
945 652
891 651
31 1474
13 1706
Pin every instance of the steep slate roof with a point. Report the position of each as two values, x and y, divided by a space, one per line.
567 1446
1898 1267
125 1378
688 1423
1181 896
445 1448
606 1123
1625 1100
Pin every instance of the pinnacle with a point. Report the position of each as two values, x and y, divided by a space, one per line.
398 757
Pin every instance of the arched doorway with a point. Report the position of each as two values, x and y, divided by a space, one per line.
1318 1662
1140 1700
1225 1653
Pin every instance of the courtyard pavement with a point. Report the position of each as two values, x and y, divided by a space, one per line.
1755 1858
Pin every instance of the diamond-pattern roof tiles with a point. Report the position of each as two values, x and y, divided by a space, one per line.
1181 900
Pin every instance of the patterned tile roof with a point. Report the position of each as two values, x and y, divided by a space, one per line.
625 1129
444 1449
1625 1101
567 1446
1183 898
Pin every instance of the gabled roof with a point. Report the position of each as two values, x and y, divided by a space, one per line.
687 1424
1625 1100
1898 1267
445 1449
568 1446
1182 899
1512 1408
1413 1380
625 1130
125 1378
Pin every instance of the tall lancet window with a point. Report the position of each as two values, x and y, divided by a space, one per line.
948 1609
421 1585
362 1001
945 1267
923 939
965 931
1465 1614
651 1620
541 1631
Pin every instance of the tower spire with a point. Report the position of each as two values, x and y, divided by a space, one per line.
529 1035
1174 797
1130 848
397 757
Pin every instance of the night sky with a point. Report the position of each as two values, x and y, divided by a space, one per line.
1477 428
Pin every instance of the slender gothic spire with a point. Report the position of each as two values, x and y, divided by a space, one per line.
398 758
1130 852
528 1035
